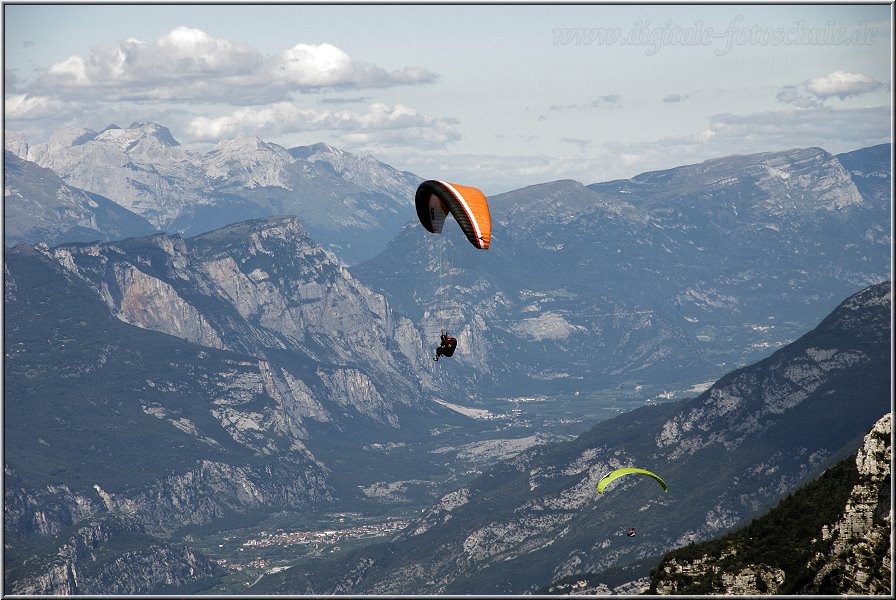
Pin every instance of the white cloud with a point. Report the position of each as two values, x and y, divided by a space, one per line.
814 92
189 65
842 85
315 66
309 65
26 107
630 160
72 71
183 53
380 123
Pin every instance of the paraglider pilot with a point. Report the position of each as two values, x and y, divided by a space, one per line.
447 346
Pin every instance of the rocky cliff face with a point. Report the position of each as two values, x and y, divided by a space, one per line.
200 495
281 335
860 557
82 560
263 288
851 555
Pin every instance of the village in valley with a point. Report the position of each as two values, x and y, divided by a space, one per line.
319 541
326 536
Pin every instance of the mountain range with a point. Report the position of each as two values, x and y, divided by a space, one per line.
168 381
669 277
352 204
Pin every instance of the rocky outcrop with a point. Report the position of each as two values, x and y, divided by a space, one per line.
860 557
44 512
850 556
153 304
584 587
709 575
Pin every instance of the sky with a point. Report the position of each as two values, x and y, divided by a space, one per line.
495 96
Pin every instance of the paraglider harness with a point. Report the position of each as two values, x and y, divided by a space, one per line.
447 347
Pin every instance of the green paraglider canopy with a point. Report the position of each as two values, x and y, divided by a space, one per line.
628 471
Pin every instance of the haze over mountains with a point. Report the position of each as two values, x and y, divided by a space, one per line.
235 366
670 274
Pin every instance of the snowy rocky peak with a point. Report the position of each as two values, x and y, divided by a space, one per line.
318 151
158 132
14 141
146 141
351 205
137 133
143 143
365 171
40 207
141 168
247 144
71 136
251 161
60 141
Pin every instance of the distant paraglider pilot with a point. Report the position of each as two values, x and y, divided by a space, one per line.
447 346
